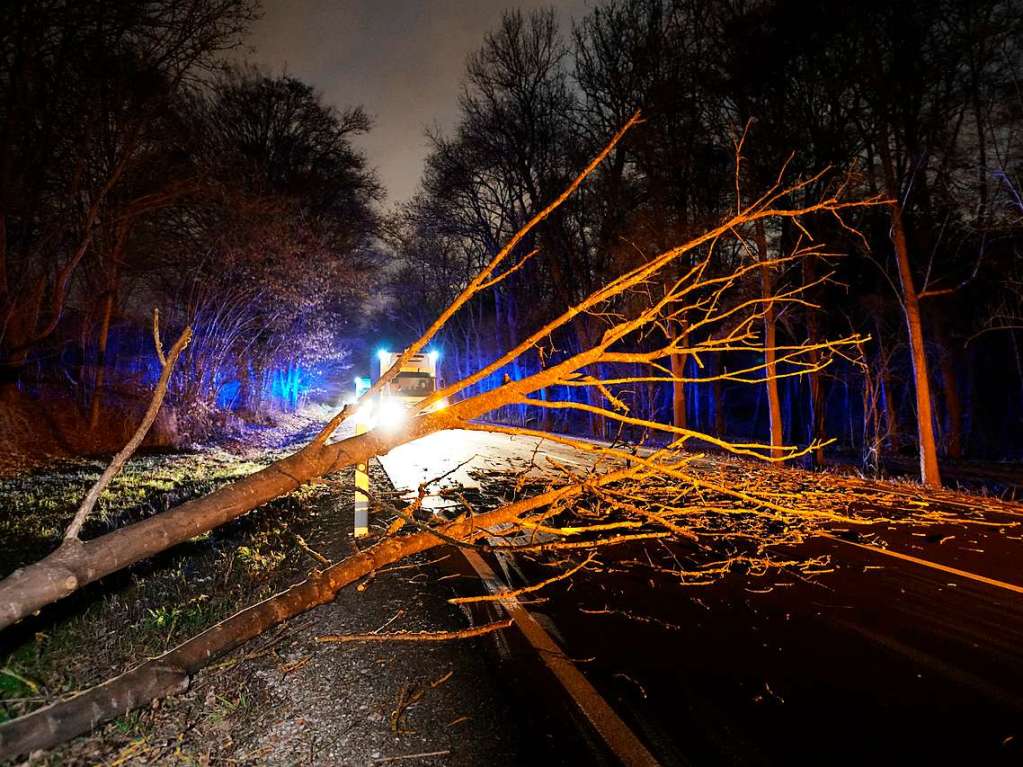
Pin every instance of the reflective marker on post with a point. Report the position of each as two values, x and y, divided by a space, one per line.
361 473
361 492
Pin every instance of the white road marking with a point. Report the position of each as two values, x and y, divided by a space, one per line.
622 741
444 450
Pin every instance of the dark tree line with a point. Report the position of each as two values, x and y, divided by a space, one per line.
138 169
916 102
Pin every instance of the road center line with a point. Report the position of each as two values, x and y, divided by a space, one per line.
928 563
620 739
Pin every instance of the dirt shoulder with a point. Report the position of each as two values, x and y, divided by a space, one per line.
289 699
283 699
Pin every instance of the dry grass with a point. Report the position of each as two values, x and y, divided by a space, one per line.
150 607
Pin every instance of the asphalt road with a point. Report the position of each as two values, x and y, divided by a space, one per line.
879 661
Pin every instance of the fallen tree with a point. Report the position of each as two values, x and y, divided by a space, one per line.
627 495
171 672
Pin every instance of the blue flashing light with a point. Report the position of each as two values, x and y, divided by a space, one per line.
434 356
383 354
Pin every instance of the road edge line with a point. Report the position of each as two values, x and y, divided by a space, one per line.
618 736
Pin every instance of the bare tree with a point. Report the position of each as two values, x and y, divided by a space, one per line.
698 300
81 86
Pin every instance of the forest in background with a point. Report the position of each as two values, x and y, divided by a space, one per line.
917 102
235 201
139 169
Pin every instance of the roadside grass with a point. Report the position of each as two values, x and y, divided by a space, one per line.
109 626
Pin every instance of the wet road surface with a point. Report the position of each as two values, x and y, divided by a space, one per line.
878 661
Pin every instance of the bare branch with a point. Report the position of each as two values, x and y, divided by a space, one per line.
89 502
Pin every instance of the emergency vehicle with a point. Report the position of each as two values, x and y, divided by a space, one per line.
416 381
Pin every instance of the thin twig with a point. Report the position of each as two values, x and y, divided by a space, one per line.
417 636
525 590
89 502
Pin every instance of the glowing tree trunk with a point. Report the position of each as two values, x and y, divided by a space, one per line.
101 360
929 471
770 344
678 387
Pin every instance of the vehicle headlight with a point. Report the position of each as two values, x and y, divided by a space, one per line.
391 414
364 415
438 405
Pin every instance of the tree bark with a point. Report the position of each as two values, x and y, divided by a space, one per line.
929 471
76 564
891 413
950 394
678 389
930 474
817 413
171 672
101 360
546 415
3 258
720 425
598 425
770 342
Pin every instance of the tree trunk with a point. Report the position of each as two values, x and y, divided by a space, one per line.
870 449
76 564
678 389
930 474
3 258
770 342
546 414
950 393
651 393
170 673
891 411
593 397
21 317
720 426
101 360
817 414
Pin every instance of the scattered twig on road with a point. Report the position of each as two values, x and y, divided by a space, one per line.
422 755
627 678
526 589
441 679
311 552
392 619
295 665
417 636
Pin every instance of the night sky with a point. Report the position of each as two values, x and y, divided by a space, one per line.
403 60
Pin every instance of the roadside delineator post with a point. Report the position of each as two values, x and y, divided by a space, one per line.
361 470
361 493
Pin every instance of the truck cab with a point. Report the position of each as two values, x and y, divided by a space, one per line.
414 382
417 378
